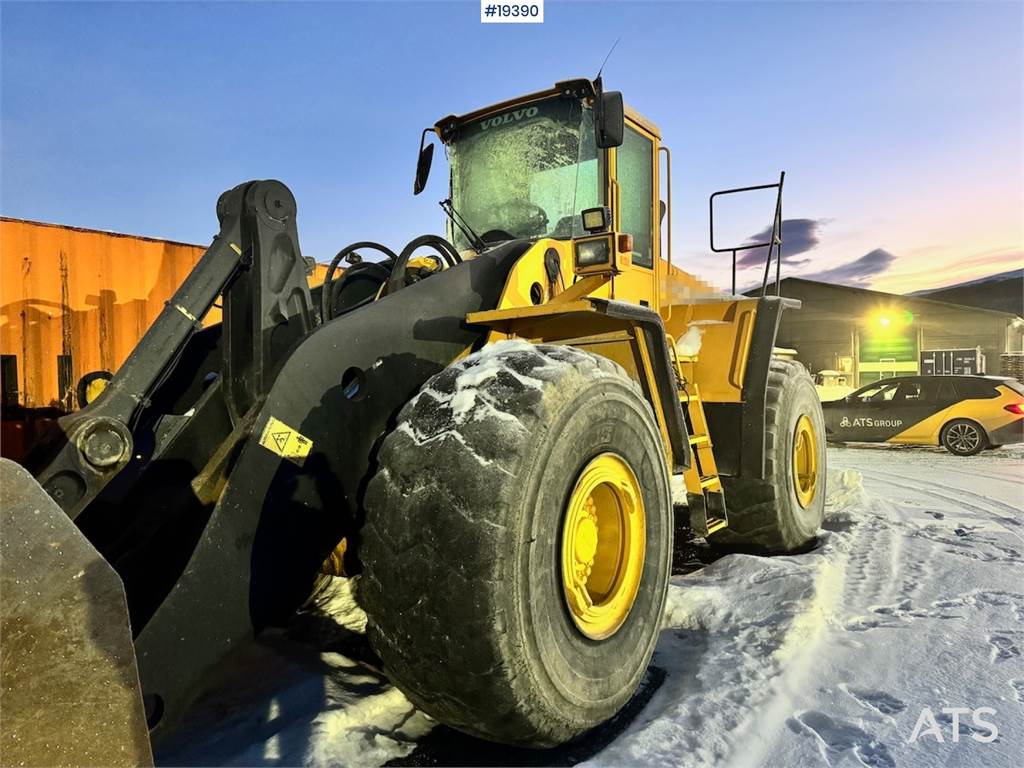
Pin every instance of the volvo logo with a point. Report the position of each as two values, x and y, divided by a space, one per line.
509 117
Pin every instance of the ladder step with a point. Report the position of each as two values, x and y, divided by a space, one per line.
700 440
716 524
710 482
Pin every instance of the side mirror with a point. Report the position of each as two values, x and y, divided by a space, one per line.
423 166
611 117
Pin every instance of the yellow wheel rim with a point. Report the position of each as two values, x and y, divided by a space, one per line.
603 541
805 461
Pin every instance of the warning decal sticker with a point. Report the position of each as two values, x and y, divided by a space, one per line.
286 442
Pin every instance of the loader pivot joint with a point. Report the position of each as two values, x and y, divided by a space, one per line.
105 443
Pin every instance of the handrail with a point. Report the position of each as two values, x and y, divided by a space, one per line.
775 242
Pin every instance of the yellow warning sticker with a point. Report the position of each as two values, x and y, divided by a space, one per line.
286 442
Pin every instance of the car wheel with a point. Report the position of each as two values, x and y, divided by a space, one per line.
963 437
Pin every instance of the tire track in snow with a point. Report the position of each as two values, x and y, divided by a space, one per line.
878 571
741 640
1008 478
971 542
900 481
978 501
874 551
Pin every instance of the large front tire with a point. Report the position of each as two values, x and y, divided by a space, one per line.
783 512
464 543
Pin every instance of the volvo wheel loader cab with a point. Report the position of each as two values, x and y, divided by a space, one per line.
485 434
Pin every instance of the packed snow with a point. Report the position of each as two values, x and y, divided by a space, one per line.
896 641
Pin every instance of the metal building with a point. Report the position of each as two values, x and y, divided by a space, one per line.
871 335
74 301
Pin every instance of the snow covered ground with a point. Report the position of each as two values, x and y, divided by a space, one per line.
908 616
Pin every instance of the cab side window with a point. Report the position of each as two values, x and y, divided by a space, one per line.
635 174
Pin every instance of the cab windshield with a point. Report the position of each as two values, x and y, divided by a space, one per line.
526 172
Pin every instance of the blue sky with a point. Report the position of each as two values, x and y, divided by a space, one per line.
899 125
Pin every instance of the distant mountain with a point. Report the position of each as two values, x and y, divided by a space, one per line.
1004 292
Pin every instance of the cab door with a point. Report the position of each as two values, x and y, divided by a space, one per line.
634 182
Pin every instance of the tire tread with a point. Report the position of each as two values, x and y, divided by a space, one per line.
487 698
754 506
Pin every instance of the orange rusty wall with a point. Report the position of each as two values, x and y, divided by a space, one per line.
81 292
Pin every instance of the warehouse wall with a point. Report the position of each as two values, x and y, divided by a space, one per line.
79 293
824 327
964 330
818 335
82 298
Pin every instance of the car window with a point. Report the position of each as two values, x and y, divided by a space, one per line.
930 386
878 393
975 389
947 391
907 392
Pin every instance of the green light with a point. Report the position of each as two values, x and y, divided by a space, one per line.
908 317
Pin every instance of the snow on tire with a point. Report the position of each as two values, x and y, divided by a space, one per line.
461 546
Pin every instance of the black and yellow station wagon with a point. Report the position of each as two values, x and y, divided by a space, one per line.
964 414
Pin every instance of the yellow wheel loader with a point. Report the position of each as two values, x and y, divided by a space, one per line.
484 429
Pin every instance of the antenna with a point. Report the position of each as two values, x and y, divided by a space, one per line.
608 56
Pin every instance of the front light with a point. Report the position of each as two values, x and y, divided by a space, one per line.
596 219
592 253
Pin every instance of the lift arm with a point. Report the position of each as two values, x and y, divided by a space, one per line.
255 262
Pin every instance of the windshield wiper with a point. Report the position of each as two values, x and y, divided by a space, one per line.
459 221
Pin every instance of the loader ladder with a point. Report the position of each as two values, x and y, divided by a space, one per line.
704 494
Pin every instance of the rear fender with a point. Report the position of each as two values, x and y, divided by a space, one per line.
738 429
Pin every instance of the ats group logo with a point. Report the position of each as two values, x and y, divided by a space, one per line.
931 727
866 422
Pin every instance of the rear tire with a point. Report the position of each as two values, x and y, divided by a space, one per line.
963 437
462 545
777 515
